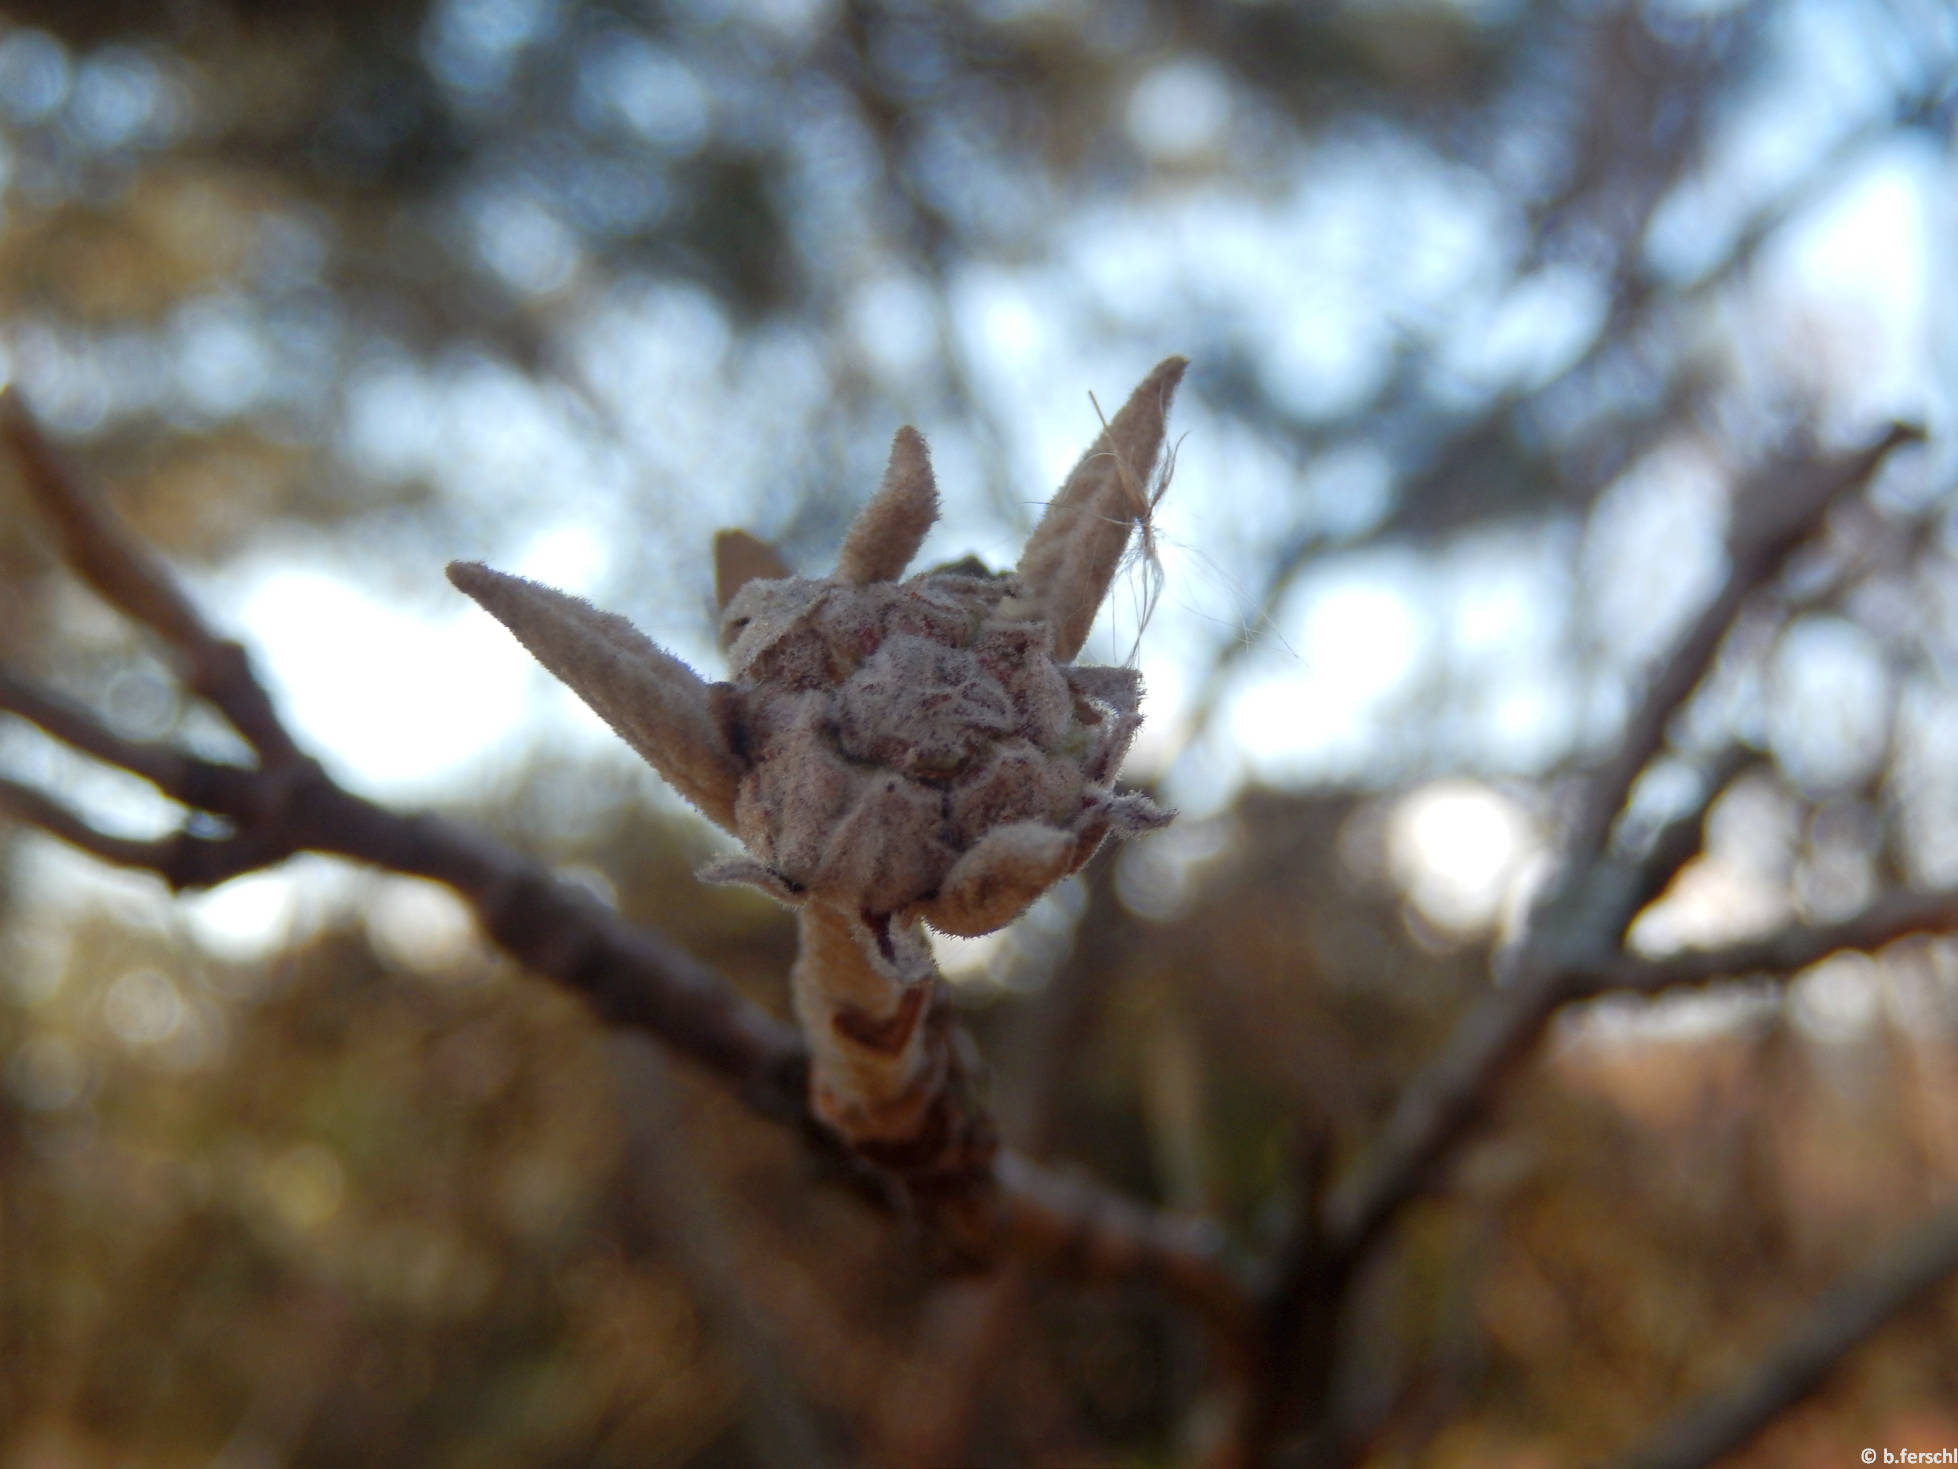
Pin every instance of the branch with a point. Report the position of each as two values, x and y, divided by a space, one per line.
1773 516
1080 1228
631 977
1785 951
1679 840
101 550
1846 1316
232 791
1585 913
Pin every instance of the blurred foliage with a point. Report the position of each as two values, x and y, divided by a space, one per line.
368 1197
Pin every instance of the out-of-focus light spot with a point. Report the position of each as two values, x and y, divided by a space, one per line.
1535 330
656 351
894 324
1654 550
288 249
1926 780
34 75
1157 878
473 44
1520 723
141 703
1351 638
524 242
792 21
571 557
1011 12
1829 707
1348 491
59 372
1360 639
628 82
420 926
40 952
1504 589
1850 280
608 198
393 418
246 919
908 56
420 1266
305 1185
1456 848
120 97
998 313
143 1008
1693 12
46 1073
221 360
1181 108
395 699
1320 350
1839 999
1710 902
1690 1015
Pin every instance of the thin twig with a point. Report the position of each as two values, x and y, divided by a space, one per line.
1845 1317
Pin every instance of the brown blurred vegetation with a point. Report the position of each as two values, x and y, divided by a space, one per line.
380 1199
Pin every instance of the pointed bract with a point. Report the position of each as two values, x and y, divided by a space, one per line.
888 531
1072 554
659 706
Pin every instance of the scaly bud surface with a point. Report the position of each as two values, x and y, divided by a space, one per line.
889 753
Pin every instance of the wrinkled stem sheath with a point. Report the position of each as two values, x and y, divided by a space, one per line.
874 1064
887 1071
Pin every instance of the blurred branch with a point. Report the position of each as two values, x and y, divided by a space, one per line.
1080 1228
101 550
1583 917
1785 951
631 977
1775 513
1598 894
1678 841
1838 1323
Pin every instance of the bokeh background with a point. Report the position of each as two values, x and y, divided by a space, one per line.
1492 305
